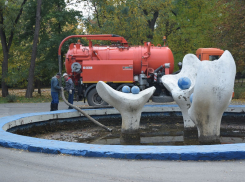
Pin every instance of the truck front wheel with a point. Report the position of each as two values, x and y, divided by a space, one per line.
94 99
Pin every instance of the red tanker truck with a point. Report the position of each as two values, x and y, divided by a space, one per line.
118 64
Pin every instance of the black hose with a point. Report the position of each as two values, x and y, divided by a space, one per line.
81 111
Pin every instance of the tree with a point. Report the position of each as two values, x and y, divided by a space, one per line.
230 29
10 13
133 19
186 23
34 51
190 26
56 23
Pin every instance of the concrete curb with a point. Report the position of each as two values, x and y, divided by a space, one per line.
194 152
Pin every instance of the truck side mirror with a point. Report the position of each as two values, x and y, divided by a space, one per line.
180 65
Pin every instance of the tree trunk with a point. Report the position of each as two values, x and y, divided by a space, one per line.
39 87
34 51
5 63
151 23
97 15
4 75
5 56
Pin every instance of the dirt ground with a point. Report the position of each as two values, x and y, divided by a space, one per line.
22 92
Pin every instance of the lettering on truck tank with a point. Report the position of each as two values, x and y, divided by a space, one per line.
88 67
127 67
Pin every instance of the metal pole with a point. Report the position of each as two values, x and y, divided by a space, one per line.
60 69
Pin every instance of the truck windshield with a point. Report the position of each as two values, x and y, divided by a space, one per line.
213 57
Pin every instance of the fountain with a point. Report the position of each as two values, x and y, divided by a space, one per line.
188 152
128 103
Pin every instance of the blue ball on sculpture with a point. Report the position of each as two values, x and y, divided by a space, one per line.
135 90
184 83
125 89
191 97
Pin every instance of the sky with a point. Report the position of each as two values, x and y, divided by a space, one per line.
83 6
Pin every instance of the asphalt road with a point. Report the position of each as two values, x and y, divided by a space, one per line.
19 165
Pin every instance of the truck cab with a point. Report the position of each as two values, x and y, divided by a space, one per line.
208 54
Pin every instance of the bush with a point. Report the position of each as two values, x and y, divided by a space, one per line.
242 95
239 91
11 98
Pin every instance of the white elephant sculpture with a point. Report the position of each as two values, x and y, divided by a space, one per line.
182 97
212 95
128 104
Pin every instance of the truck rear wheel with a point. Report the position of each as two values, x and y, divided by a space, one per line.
94 99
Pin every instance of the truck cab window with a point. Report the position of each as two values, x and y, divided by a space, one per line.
213 57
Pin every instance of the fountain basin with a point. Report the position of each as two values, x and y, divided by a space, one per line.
193 152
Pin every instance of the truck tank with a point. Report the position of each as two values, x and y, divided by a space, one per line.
158 56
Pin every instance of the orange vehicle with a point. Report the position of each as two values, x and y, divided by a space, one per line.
119 64
209 53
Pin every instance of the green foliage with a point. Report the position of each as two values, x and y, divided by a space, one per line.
10 10
186 23
188 26
18 66
1 60
229 31
132 19
55 20
56 23
10 13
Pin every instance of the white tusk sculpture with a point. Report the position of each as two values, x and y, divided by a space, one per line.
182 97
212 95
128 104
